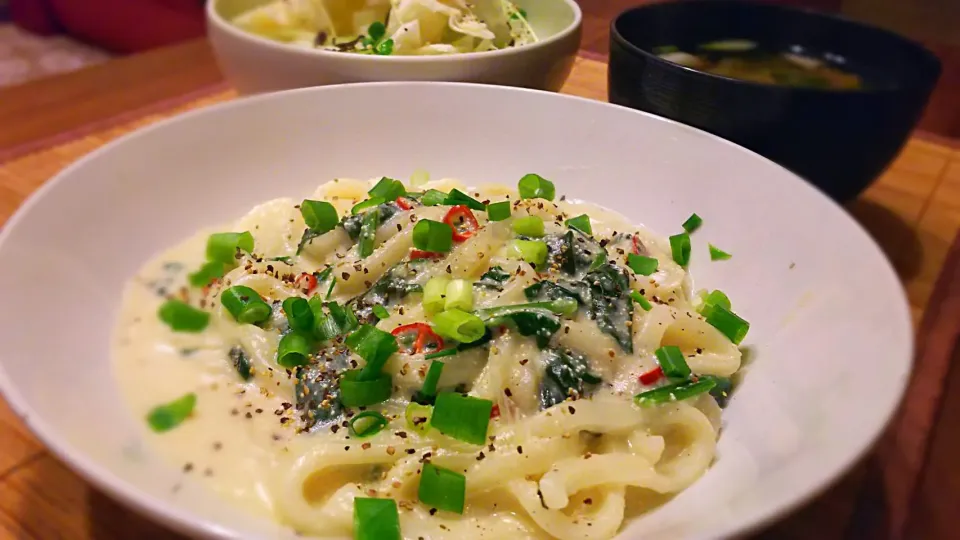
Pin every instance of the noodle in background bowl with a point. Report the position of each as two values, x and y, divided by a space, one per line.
830 345
254 64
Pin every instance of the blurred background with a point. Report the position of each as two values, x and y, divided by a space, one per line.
42 37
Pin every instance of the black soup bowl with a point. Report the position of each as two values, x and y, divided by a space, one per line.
839 140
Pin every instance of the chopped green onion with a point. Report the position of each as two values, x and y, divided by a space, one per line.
674 392
534 186
376 30
458 197
340 321
728 323
294 350
375 519
384 48
459 295
245 304
498 211
170 415
531 251
418 417
367 423
692 223
357 393
299 314
459 325
714 298
433 377
717 254
580 223
388 189
639 299
440 354
671 361
680 248
320 216
223 247
368 233
528 226
285 259
210 271
434 294
435 236
462 417
419 177
642 264
433 197
182 317
381 312
442 488
363 206
333 282
373 345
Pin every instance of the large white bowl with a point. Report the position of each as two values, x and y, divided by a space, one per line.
830 346
254 64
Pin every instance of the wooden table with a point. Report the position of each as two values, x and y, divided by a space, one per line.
907 488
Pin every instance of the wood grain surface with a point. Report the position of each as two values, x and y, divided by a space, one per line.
913 212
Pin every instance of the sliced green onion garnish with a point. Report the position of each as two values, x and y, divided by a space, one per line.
245 304
381 312
434 294
717 254
528 226
442 488
223 247
459 295
418 417
639 299
432 378
498 211
532 251
340 320
692 223
299 315
388 189
182 317
534 186
210 271
440 354
363 206
580 223
294 350
680 248
728 323
672 362
433 197
434 236
170 415
357 393
459 325
373 345
320 216
642 264
333 282
458 197
462 417
367 423
375 519
714 298
368 233
674 392
419 177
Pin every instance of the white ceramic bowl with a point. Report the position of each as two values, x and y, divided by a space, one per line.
254 64
830 346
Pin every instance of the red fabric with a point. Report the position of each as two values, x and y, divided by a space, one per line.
34 15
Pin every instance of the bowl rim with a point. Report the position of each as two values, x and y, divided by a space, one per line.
163 512
932 63
214 18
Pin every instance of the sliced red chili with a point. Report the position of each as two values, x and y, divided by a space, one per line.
404 203
651 376
420 254
306 282
462 221
415 338
495 411
636 245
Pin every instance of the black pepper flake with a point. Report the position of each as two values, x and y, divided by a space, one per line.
480 456
249 415
284 420
188 467
217 445
234 412
402 434
519 449
449 270
334 428
346 448
365 446
491 448
433 511
259 411
410 451
507 392
345 276
588 500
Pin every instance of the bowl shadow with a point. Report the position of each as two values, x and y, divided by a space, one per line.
896 238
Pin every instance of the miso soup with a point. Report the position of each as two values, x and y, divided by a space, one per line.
745 60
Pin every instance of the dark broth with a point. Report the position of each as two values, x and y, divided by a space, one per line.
742 59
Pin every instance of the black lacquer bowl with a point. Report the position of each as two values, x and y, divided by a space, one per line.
839 140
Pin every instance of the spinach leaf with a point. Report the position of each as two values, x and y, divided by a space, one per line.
574 252
399 281
494 278
241 362
318 389
547 290
565 373
540 323
610 305
352 224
